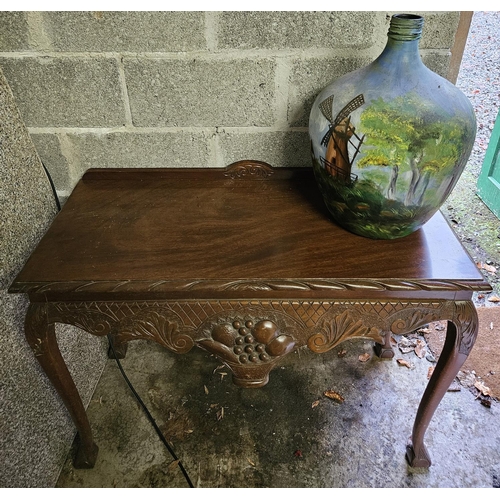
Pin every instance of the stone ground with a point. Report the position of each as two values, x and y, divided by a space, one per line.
287 434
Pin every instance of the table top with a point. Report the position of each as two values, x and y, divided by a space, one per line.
247 230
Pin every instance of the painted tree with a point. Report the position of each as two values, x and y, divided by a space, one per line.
439 158
384 128
409 135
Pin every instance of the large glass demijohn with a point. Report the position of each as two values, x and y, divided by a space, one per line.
390 140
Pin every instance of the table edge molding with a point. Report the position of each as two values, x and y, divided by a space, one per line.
239 285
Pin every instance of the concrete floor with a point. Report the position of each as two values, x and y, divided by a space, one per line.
276 436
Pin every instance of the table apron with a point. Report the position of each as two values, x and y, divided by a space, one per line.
217 325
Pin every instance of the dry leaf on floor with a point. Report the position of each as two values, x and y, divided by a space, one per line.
342 353
494 299
424 330
297 453
487 267
482 388
403 362
364 357
334 395
206 389
220 414
454 387
250 462
406 350
173 465
466 378
420 349
316 403
430 371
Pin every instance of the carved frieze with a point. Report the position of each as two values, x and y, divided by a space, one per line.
411 318
252 341
83 315
342 327
250 336
155 324
36 327
467 325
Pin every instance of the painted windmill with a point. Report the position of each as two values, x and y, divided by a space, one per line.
341 132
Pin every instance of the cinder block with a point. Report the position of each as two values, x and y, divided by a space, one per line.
126 31
201 92
279 149
49 151
439 29
309 76
13 31
437 62
281 30
139 149
66 92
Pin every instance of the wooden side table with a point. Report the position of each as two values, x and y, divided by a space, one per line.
245 263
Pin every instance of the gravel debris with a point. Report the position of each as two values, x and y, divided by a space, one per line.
479 78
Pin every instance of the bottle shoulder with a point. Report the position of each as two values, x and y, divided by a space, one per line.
375 81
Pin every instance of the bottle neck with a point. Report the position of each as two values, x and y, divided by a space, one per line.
405 27
403 41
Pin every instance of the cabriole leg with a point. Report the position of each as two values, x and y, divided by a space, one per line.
460 337
41 337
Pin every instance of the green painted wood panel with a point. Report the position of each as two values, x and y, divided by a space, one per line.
488 183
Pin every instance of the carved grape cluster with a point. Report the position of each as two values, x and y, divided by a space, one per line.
249 342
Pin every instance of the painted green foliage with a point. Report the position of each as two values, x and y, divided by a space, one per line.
406 168
407 135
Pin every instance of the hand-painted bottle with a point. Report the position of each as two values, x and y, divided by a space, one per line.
390 140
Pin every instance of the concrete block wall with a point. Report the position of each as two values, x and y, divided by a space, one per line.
182 89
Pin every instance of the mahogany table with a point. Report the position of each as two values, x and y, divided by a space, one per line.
245 263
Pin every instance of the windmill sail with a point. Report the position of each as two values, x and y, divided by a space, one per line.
351 106
340 137
326 109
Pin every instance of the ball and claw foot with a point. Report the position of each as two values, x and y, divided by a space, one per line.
85 460
420 459
383 352
120 349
